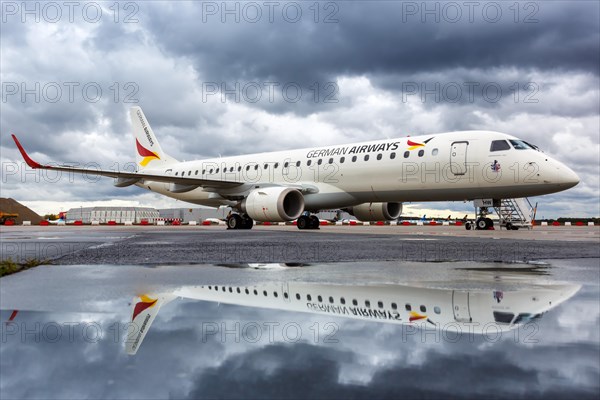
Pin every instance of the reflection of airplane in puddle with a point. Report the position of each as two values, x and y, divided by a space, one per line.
469 311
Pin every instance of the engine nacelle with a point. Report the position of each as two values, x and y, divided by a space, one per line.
376 211
273 204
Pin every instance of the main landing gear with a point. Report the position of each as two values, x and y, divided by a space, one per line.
237 221
307 221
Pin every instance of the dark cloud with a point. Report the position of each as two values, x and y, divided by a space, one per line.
381 38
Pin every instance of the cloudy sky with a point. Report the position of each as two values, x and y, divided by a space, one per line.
226 78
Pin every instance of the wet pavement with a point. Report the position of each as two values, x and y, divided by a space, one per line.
192 245
277 313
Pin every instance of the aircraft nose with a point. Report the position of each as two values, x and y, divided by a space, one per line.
567 177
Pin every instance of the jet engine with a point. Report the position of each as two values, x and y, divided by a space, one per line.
273 204
376 211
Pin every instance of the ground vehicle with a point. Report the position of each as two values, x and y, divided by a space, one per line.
8 218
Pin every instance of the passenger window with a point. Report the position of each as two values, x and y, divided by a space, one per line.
434 152
331 299
308 297
408 307
499 145
230 290
203 172
217 171
256 167
331 161
189 173
297 163
308 163
320 298
423 308
437 310
231 169
392 156
298 296
238 290
342 160
247 167
210 171
276 165
239 168
353 158
366 157
406 154
421 153
275 294
286 164
285 295
196 172
380 304
320 161
255 292
367 304
247 291
354 302
266 166
265 293
379 156
342 300
394 306
176 173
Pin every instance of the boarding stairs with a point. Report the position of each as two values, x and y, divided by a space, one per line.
516 213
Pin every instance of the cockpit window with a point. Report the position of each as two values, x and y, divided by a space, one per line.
499 145
503 317
533 146
524 318
521 145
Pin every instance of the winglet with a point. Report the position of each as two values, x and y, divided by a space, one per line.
27 159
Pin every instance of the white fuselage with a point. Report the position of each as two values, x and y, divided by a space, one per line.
452 166
448 309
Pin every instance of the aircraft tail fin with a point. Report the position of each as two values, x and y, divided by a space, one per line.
148 150
145 309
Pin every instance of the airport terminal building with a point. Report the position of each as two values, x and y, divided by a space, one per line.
117 214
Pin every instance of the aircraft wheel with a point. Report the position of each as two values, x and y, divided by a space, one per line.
481 224
468 226
247 223
488 223
234 222
303 222
509 226
314 222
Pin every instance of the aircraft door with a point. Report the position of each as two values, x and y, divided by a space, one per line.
458 158
460 306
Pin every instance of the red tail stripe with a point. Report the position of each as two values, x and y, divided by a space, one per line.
144 152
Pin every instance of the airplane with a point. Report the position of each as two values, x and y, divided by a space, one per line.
370 180
459 310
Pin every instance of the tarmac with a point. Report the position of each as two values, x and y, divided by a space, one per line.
175 245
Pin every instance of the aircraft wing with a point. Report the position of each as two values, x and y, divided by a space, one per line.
128 178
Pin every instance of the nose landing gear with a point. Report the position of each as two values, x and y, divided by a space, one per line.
483 222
